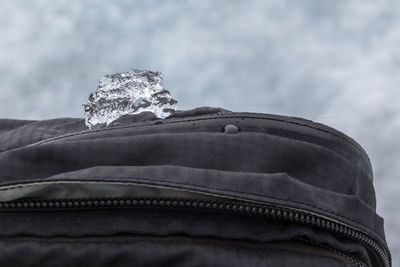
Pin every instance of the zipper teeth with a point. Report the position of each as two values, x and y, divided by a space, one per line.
271 212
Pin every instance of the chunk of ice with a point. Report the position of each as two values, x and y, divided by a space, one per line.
128 93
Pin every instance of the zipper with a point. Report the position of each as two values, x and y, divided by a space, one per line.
237 207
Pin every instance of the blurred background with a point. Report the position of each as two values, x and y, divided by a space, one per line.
335 62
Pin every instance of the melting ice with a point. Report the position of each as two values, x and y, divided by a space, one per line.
128 93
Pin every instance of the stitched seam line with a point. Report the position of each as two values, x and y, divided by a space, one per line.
205 119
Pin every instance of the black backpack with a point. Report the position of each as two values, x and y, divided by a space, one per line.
204 187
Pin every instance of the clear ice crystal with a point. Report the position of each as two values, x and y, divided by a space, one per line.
128 93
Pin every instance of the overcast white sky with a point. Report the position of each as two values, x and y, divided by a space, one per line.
335 62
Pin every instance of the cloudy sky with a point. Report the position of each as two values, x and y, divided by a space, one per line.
336 62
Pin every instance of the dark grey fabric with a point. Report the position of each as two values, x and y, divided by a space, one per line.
272 159
16 133
171 251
